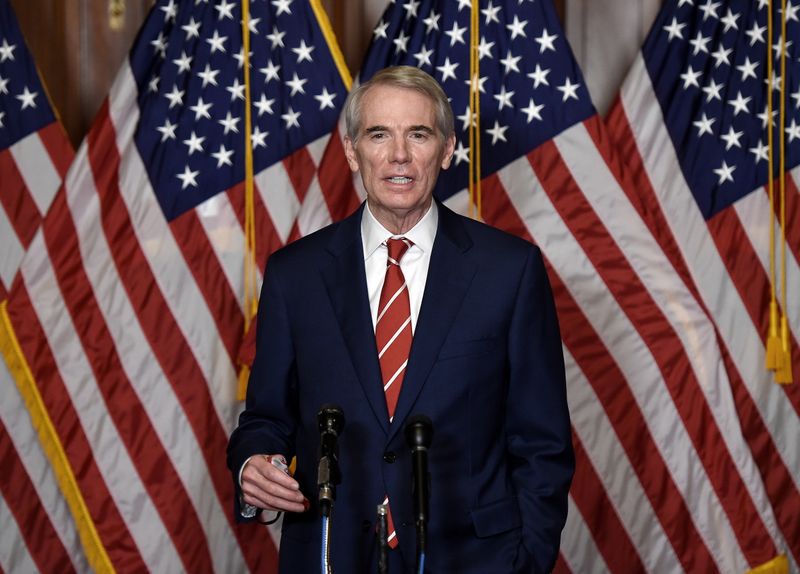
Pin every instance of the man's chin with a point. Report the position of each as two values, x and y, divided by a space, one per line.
401 200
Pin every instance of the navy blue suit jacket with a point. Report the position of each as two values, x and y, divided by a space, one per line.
486 366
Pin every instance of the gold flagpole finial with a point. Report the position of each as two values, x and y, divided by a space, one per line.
116 14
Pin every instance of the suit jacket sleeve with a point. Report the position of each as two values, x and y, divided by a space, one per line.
268 423
538 431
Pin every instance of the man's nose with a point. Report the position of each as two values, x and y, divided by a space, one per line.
399 152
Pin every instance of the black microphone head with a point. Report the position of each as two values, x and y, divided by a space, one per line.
419 431
330 418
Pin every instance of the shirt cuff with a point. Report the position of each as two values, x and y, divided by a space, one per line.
241 470
246 510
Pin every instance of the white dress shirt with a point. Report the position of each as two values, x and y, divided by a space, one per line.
414 263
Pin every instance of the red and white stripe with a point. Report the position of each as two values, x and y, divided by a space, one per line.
727 261
31 171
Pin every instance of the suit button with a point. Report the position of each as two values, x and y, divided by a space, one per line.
389 456
365 525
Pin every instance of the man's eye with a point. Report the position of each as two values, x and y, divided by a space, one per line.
419 135
377 136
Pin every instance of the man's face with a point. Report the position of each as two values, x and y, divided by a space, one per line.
399 153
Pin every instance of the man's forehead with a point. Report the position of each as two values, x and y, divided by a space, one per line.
384 91
407 107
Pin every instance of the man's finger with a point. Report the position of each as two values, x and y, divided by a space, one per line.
266 494
260 465
269 502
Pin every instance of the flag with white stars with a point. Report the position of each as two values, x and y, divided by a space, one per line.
708 67
130 310
693 118
531 88
664 478
188 70
34 150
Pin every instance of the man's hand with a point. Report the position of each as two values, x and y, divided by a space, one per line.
267 486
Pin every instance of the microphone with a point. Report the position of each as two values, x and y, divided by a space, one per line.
330 420
419 433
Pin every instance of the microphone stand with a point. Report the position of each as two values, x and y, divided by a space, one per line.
330 419
419 433
383 542
325 554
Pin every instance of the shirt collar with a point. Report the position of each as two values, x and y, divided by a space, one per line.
422 235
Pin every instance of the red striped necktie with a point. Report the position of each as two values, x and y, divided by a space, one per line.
393 335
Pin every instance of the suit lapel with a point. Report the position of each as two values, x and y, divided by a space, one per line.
346 282
449 276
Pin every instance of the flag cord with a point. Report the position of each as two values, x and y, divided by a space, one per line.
783 375
475 198
250 274
773 339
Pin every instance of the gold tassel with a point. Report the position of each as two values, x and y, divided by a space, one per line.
783 375
774 346
778 565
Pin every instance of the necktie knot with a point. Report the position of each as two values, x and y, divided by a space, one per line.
397 248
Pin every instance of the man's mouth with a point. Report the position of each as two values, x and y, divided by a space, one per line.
399 179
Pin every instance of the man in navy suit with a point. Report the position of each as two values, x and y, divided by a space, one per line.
485 365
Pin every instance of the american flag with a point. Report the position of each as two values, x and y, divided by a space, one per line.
665 480
128 316
692 122
34 150
39 532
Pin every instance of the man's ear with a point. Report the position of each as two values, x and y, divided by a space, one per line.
350 154
449 149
